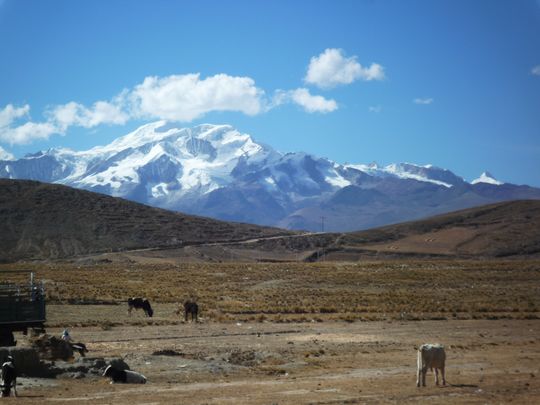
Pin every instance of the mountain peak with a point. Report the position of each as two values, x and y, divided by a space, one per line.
487 177
218 171
5 155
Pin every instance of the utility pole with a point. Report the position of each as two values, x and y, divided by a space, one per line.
322 231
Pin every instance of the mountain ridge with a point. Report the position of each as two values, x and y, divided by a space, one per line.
217 171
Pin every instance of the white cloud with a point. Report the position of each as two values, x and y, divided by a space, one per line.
424 101
331 68
59 119
306 100
536 70
27 132
187 97
101 112
24 133
10 113
375 109
176 98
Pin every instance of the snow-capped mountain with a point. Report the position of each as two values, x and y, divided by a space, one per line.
4 155
217 171
487 177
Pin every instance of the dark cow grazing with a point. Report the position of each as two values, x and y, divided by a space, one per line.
191 308
139 303
123 376
9 377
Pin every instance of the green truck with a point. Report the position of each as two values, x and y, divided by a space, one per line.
22 305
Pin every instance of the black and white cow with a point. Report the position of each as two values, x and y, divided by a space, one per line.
191 308
9 377
124 376
140 303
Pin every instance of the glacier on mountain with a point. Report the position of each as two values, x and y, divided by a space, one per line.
217 171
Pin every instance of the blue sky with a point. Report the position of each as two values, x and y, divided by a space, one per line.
451 83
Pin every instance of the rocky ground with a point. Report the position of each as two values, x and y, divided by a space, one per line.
488 361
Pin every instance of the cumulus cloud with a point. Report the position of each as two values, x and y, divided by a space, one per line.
27 132
10 113
536 70
23 133
59 119
187 97
176 98
101 112
424 101
332 68
302 97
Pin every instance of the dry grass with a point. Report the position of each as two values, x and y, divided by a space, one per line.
407 290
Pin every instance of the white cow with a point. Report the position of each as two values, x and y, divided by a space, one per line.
431 356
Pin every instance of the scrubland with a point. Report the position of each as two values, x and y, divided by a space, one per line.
291 333
283 292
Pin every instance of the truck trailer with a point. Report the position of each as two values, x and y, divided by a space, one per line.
22 305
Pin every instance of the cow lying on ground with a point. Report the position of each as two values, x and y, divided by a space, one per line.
139 303
431 356
124 376
191 307
9 377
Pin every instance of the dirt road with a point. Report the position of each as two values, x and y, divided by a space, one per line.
495 361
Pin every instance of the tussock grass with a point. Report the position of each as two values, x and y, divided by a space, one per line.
299 292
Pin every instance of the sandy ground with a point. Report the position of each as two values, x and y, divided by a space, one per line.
488 361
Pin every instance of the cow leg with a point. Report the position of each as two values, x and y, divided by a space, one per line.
424 372
418 376
442 374
129 310
436 376
15 387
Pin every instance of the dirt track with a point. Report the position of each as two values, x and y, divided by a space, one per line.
494 361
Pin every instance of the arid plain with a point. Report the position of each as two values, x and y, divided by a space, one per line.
290 333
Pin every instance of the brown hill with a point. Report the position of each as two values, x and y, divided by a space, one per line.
41 221
495 230
46 221
510 229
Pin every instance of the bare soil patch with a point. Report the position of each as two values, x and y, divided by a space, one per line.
303 363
